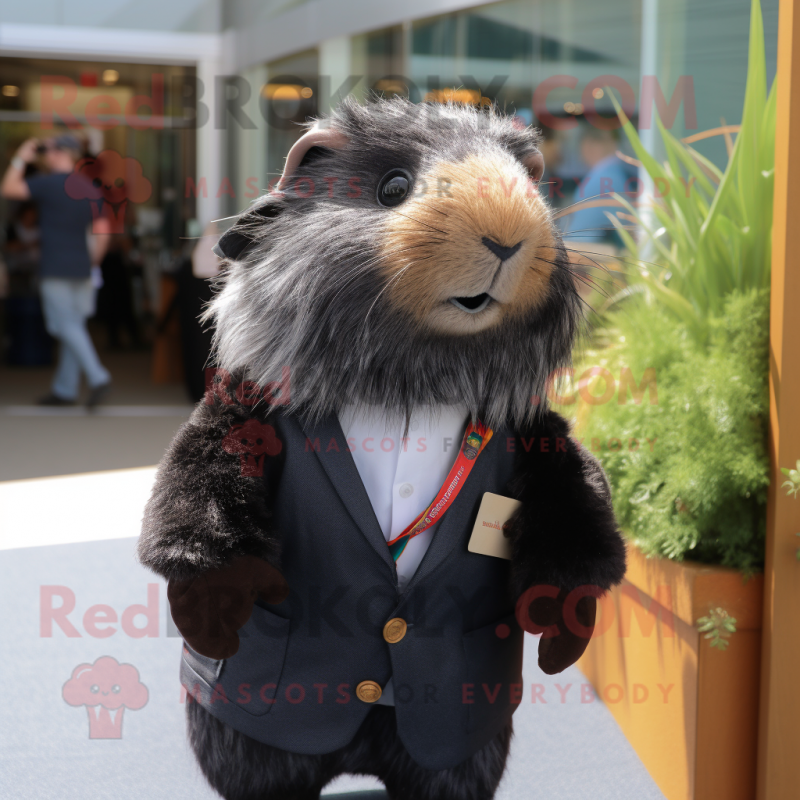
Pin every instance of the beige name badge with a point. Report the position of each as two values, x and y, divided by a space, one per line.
487 535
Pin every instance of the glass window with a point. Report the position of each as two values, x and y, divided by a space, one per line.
379 56
549 63
503 52
282 95
102 94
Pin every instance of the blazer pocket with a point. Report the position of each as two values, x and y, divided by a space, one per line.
251 677
493 679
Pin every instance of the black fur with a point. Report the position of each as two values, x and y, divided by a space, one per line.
565 534
202 512
240 768
310 294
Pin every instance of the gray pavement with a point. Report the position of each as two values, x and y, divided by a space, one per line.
570 750
132 429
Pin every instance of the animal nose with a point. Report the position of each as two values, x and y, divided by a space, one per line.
500 250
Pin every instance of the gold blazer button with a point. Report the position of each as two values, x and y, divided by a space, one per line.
368 692
394 630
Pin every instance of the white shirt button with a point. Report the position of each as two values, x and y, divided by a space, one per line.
406 490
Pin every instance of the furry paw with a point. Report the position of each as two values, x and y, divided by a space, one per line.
566 623
209 609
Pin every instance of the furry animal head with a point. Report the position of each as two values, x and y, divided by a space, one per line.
405 259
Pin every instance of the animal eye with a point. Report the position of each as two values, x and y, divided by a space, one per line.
116 688
94 689
394 187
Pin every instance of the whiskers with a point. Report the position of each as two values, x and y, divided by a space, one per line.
576 272
363 266
396 277
420 222
597 201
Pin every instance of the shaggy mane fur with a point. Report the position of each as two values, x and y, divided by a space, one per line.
309 292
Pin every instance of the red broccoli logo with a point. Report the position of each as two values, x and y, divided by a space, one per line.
114 180
106 688
251 441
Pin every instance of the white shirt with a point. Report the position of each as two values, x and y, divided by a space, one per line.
403 475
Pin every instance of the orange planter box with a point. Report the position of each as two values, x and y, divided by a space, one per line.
689 710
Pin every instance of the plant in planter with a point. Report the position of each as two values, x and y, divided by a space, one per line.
717 627
697 315
688 463
695 484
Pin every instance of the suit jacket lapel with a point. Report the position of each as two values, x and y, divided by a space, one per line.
338 463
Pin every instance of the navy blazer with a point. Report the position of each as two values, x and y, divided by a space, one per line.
456 672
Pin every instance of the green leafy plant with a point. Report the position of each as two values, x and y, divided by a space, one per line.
792 486
717 626
709 233
688 464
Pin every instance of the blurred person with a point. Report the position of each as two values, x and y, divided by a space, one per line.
27 342
22 231
607 174
68 295
22 250
115 295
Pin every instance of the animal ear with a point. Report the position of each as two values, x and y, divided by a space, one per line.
534 163
239 238
315 137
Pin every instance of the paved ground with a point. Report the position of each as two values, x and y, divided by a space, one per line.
82 530
131 371
132 430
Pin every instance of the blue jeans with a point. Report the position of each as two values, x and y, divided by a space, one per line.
67 304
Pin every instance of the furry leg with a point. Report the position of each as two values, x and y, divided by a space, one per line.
377 750
240 768
476 778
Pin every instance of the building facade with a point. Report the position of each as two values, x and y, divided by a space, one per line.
229 81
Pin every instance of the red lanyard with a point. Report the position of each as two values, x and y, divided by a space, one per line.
476 437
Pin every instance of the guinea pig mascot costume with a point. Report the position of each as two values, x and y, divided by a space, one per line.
385 326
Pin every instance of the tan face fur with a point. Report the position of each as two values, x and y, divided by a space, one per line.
433 249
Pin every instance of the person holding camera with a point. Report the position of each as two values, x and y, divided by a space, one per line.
67 291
